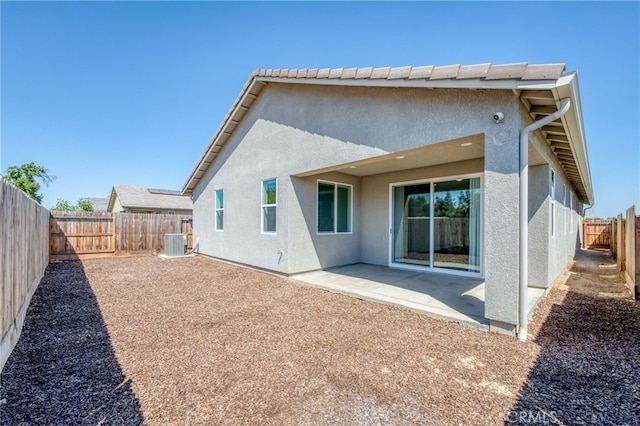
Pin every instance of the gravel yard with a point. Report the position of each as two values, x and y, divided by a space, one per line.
132 340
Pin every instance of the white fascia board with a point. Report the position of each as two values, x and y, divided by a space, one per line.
214 140
434 84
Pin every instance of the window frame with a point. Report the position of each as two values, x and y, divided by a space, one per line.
217 209
335 207
564 209
571 212
264 206
552 204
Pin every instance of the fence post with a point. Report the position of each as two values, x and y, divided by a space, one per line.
637 263
620 243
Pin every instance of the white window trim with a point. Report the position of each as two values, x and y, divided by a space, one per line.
432 268
552 204
571 212
564 209
335 209
262 206
217 209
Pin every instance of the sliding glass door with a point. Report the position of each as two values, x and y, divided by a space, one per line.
437 224
411 224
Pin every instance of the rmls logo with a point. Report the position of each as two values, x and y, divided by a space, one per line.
529 417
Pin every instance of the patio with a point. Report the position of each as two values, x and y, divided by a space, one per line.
443 296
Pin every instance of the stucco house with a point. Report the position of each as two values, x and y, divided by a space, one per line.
137 199
477 170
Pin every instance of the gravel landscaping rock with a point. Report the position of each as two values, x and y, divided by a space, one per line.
63 369
588 371
144 340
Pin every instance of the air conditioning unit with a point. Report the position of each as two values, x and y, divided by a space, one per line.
175 244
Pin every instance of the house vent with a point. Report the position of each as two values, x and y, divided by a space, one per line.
175 244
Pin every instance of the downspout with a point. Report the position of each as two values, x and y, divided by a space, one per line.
584 211
523 314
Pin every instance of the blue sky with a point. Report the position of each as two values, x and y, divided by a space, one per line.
104 93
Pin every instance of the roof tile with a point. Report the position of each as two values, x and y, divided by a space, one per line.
479 71
363 73
420 72
543 72
399 72
335 73
378 73
323 73
349 74
506 72
447 72
473 71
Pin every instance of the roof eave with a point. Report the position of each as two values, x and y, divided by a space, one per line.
567 86
254 82
112 199
243 102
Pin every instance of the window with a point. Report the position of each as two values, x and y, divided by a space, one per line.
438 224
570 212
552 193
564 209
334 207
269 203
219 210
171 212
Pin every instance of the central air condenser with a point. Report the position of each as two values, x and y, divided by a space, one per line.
175 244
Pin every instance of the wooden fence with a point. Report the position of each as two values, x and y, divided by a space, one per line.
24 255
81 235
596 233
625 246
449 233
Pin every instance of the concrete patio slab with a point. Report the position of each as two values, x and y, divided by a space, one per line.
448 297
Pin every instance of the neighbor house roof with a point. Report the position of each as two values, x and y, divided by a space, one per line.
99 204
136 197
541 88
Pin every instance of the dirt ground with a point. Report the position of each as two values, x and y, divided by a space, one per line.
195 341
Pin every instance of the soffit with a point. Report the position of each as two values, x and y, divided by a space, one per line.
467 148
563 135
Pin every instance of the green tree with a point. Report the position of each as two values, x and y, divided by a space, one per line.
63 205
464 202
444 206
25 178
418 206
83 205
